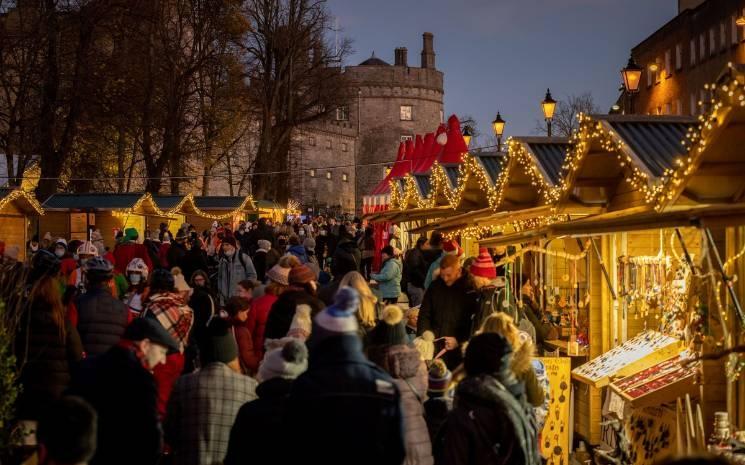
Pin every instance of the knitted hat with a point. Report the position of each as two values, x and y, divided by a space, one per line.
425 344
487 353
439 378
301 275
130 234
301 324
288 361
219 344
279 275
340 317
451 247
483 266
390 330
229 240
309 243
264 244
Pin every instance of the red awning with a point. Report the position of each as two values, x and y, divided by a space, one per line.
456 146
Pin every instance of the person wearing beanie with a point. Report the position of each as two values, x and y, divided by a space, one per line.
389 278
446 311
388 347
341 388
233 267
260 258
449 247
128 249
490 421
277 284
205 403
489 298
439 404
258 433
302 291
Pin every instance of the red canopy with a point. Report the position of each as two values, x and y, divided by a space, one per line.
456 146
402 167
383 186
431 150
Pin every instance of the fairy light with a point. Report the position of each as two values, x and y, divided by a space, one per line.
188 201
20 194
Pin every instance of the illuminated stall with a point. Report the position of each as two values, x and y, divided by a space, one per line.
19 213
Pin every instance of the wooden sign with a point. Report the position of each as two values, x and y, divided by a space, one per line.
554 438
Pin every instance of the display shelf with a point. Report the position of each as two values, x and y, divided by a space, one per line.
658 384
641 352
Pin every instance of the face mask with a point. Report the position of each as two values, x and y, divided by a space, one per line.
301 232
135 278
229 253
59 252
34 248
154 355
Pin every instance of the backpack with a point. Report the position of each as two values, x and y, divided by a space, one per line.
492 300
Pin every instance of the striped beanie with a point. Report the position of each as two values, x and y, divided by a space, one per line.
439 378
483 266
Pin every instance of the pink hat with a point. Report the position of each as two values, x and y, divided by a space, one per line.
483 266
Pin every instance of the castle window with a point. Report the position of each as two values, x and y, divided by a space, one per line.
342 113
344 147
678 57
312 141
344 177
328 143
328 174
406 113
312 173
693 52
404 138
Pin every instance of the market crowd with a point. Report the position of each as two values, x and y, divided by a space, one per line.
273 343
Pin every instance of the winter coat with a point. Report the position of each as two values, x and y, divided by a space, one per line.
256 322
231 271
283 310
446 311
272 258
102 320
342 389
416 268
45 359
175 255
125 252
201 413
205 308
123 394
430 277
247 355
195 259
328 292
259 261
409 372
163 255
299 252
389 278
346 257
436 411
488 426
257 433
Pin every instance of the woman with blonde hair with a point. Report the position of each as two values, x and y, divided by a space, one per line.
523 351
367 315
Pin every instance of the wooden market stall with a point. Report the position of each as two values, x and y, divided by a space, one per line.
71 215
202 212
19 213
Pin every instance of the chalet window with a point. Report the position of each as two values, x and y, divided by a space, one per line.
678 57
328 174
406 113
712 41
404 138
344 177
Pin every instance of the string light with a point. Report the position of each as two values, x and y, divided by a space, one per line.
17 194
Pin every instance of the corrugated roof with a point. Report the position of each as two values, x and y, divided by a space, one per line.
550 155
656 143
91 201
422 182
219 202
492 163
167 202
452 173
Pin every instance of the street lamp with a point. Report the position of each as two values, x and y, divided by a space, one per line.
549 105
467 135
498 125
632 75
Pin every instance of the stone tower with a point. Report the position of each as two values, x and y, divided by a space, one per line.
393 103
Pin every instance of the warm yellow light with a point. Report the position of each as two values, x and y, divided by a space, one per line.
741 21
498 125
632 75
467 135
654 67
549 105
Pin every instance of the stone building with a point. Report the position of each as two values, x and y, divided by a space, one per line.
345 158
685 54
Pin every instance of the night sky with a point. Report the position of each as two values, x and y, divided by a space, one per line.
503 54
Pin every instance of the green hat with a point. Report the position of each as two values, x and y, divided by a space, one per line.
130 234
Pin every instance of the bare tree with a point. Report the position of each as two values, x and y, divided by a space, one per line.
566 116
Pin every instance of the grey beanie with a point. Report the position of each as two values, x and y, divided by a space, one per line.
288 361
219 344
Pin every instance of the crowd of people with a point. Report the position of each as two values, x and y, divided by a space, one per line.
274 343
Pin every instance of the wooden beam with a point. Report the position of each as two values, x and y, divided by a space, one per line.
732 169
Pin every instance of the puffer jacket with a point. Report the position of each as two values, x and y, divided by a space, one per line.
409 373
389 278
231 271
102 320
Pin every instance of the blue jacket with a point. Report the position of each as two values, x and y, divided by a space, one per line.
431 271
299 252
389 278
343 388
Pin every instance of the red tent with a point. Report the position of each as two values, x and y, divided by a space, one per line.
455 146
383 187
432 149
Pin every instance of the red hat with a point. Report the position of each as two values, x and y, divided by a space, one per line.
483 266
451 247
301 274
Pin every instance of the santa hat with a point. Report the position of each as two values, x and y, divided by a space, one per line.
451 247
483 266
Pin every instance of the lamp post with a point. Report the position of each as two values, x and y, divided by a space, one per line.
632 75
467 135
498 126
548 105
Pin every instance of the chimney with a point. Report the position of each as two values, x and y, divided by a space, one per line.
428 51
402 58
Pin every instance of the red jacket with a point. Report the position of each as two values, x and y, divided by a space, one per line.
247 354
163 255
126 252
256 322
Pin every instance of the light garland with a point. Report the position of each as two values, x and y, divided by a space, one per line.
21 194
473 232
547 193
550 253
180 208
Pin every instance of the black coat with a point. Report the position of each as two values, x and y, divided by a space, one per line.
259 260
447 311
488 425
46 359
347 257
102 320
194 259
257 435
204 306
344 409
415 267
124 396
283 310
175 255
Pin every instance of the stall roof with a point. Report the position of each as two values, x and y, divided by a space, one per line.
168 202
548 153
23 200
99 201
423 184
224 202
492 163
452 172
